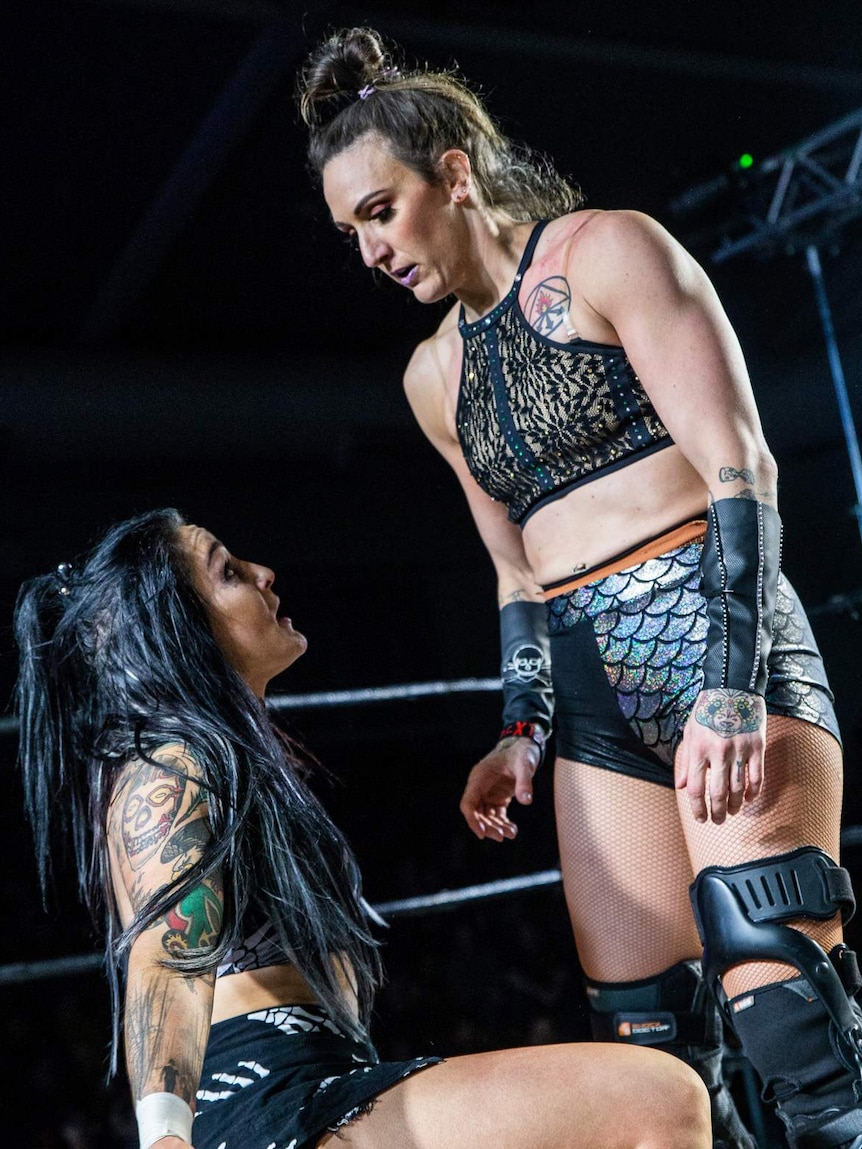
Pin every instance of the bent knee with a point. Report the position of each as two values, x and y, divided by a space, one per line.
682 1115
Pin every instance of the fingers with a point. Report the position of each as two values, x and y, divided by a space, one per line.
736 786
485 812
487 822
718 789
524 772
496 827
720 775
680 766
754 777
695 788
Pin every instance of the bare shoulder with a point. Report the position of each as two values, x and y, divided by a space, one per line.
433 356
623 237
430 372
171 758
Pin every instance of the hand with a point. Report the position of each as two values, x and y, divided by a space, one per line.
721 753
506 773
171 1142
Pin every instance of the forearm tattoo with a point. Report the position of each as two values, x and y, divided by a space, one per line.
148 1024
744 475
731 474
729 712
515 596
547 306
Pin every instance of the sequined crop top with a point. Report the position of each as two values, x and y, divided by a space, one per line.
535 418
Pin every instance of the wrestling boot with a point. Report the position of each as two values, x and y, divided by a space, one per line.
673 1011
811 1071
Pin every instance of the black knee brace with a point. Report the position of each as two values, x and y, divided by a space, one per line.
673 1011
737 907
803 1035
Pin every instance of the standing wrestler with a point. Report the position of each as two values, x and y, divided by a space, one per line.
593 401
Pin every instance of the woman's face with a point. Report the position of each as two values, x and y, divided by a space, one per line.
411 230
242 609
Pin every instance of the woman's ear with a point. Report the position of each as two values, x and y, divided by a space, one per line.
456 173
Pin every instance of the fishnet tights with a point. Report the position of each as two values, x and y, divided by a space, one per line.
629 850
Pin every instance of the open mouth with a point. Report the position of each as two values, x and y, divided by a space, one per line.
406 276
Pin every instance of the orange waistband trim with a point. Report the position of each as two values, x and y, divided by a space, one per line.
690 532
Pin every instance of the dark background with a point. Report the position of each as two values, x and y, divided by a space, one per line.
182 326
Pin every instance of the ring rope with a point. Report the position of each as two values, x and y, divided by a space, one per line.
358 697
17 972
404 907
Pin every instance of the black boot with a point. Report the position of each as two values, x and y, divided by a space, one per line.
673 1011
812 1073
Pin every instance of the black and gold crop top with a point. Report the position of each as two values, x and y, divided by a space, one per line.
536 418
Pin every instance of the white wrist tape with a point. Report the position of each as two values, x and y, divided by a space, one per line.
163 1115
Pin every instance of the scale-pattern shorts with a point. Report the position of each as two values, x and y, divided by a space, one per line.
280 1078
626 657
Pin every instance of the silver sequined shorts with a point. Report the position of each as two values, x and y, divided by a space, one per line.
626 656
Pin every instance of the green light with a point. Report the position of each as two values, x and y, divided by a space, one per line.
745 161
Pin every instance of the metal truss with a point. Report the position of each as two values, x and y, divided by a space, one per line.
796 201
804 195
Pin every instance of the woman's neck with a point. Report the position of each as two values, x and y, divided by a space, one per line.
494 254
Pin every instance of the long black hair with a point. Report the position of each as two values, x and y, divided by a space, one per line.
351 87
117 658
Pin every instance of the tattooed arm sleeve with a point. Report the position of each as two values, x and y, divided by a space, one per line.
157 829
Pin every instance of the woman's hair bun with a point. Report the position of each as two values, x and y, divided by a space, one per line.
341 66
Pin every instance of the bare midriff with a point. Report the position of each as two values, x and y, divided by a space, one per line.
601 519
240 993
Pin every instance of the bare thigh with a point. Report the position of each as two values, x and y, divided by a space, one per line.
626 872
543 1097
800 805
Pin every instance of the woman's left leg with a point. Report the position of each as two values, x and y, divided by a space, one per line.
577 1096
807 1060
626 875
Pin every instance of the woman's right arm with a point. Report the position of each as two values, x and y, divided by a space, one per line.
157 830
508 770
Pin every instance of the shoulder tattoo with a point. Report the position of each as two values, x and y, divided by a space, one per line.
547 306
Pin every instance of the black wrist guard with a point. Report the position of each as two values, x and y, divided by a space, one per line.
526 665
739 580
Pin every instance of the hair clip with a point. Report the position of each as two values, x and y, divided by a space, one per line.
387 74
63 575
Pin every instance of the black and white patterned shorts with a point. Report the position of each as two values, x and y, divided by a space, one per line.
280 1078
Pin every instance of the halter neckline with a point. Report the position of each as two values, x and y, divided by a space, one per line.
469 329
